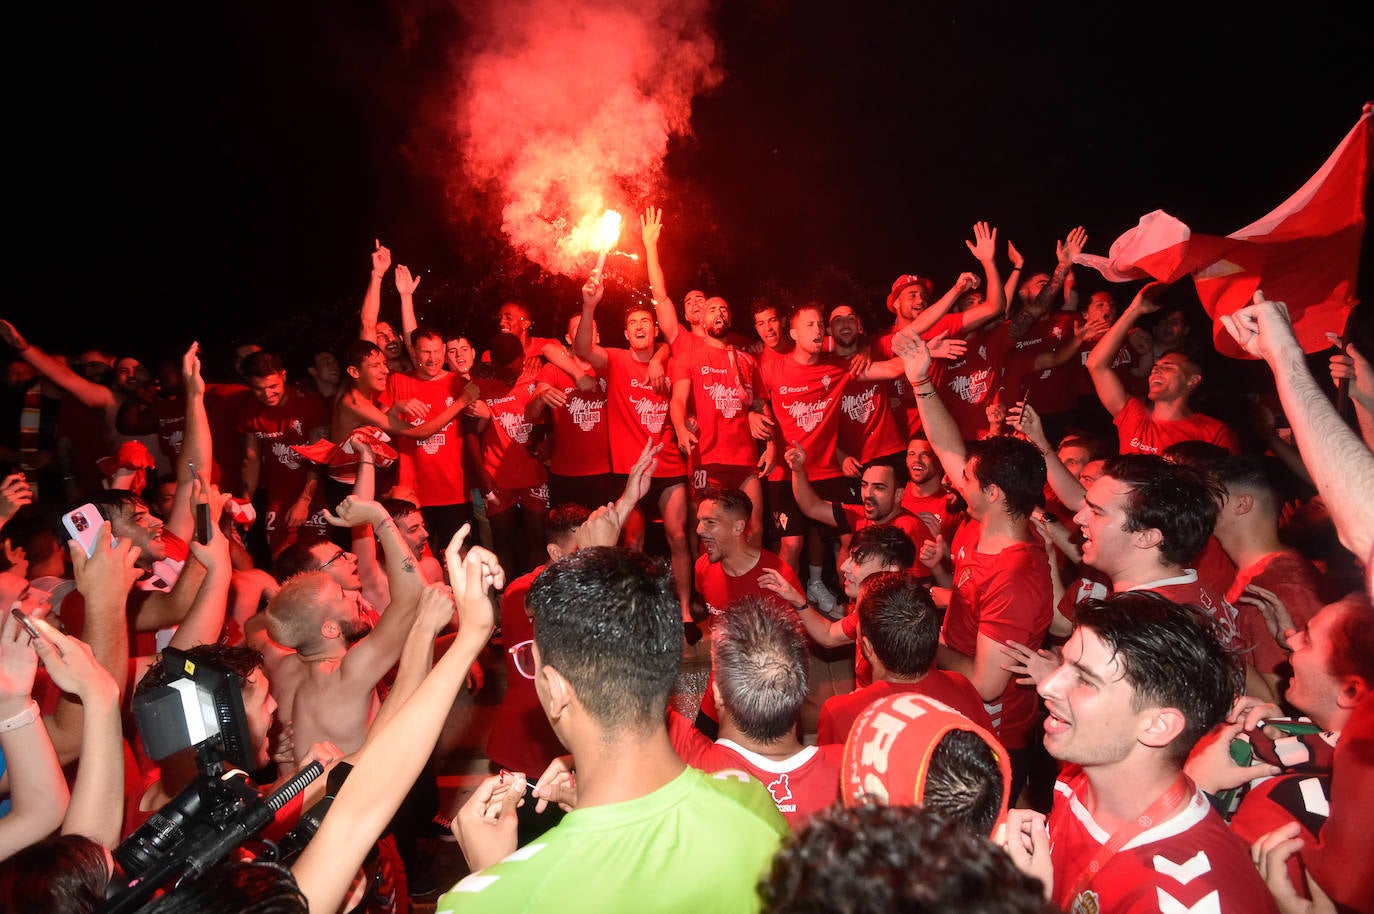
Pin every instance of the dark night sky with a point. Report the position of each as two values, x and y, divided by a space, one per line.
220 170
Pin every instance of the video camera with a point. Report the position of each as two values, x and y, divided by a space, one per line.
199 706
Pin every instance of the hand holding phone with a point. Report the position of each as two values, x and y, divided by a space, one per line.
205 530
84 526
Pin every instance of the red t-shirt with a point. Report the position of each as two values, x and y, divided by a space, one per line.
1173 866
840 711
851 519
504 453
298 419
432 467
806 400
970 384
724 384
580 443
1140 433
1006 596
1051 390
869 427
521 738
801 786
950 325
637 413
1186 588
1294 580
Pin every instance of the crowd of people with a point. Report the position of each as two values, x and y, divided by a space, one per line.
999 616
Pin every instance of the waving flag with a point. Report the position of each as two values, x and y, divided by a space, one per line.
1305 253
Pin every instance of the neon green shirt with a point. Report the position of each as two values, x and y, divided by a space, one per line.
698 844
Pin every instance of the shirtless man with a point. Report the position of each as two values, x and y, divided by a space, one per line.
321 661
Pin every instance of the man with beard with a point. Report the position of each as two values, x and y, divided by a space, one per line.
322 662
869 428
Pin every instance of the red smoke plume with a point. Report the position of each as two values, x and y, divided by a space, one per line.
567 109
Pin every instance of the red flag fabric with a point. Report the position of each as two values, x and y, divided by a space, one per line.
1305 253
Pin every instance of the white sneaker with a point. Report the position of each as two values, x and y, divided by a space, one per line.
821 597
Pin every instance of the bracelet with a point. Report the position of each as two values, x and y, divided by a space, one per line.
919 381
806 604
367 463
22 719
1017 269
926 394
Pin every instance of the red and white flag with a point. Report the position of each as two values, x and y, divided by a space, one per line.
1305 253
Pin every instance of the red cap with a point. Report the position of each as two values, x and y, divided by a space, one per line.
901 282
132 455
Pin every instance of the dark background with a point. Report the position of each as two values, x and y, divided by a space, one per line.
220 171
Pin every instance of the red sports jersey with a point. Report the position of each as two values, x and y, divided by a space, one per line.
840 711
1191 862
937 505
851 519
1006 596
1051 390
637 413
806 401
1186 588
298 419
970 384
581 446
801 786
504 453
724 384
949 325
1140 433
432 467
869 427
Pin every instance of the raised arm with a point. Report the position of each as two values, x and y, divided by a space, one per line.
372 298
368 660
38 792
97 808
984 249
205 619
406 284
1069 348
390 761
96 396
1067 488
584 344
196 455
941 429
1066 251
1341 466
1109 388
650 228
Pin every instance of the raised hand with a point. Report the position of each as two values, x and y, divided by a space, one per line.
381 259
592 290
984 243
651 226
795 457
1017 259
1071 246
405 283
1144 301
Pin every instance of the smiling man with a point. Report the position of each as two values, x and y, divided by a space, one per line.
1149 427
1142 679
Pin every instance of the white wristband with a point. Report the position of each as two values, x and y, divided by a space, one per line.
22 719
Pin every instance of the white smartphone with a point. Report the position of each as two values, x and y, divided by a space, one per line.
84 525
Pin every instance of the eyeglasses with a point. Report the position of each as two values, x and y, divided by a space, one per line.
523 656
338 555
